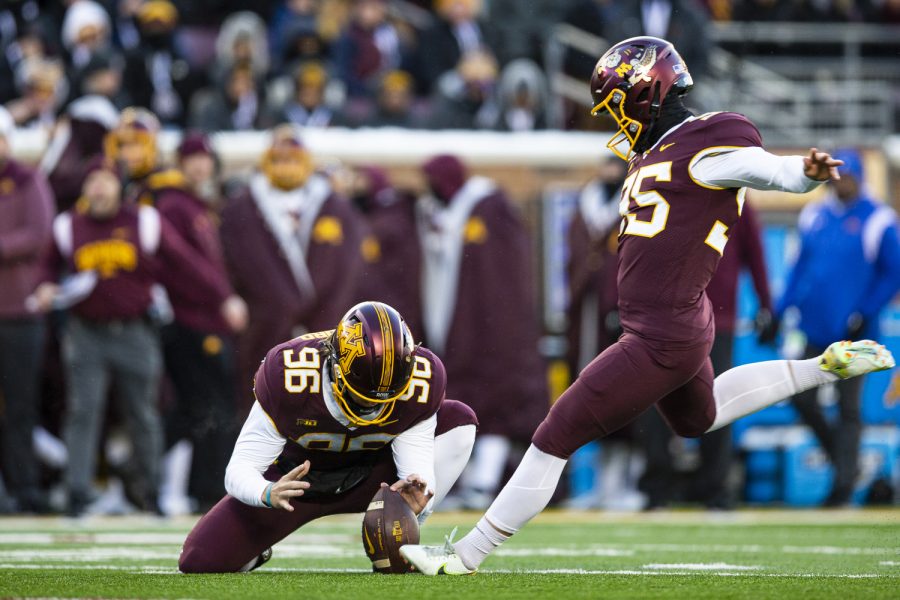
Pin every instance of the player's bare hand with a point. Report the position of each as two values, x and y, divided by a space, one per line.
234 311
286 488
413 490
42 299
820 166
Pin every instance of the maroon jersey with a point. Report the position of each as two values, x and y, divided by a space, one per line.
674 230
26 214
191 218
127 252
289 387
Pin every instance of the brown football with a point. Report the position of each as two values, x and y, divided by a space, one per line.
389 523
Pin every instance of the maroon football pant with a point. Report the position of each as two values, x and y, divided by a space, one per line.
621 383
232 533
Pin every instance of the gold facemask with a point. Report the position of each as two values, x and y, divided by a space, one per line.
340 387
622 142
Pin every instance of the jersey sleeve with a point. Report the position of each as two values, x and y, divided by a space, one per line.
413 452
437 385
728 129
267 396
750 167
734 158
257 447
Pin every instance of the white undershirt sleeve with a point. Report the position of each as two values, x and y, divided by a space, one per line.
750 167
413 452
258 446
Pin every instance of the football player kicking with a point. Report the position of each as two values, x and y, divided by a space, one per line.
685 188
336 414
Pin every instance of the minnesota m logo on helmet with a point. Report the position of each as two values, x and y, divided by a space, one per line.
350 342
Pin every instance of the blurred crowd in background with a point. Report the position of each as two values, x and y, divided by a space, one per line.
238 65
158 287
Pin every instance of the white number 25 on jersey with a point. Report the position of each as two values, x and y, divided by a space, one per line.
631 190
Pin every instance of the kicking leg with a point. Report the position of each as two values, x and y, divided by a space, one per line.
614 389
749 388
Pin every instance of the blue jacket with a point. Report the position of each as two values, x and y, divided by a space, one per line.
849 262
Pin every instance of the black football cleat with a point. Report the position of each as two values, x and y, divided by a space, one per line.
264 557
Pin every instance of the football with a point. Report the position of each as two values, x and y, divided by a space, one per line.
389 523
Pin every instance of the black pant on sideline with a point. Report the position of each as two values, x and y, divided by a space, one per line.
716 447
716 452
841 439
201 368
21 351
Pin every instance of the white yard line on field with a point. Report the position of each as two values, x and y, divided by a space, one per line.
701 567
58 567
691 573
143 538
156 570
105 553
758 548
306 547
551 551
630 549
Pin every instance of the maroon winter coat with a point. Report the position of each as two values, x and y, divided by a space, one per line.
262 276
491 351
26 213
744 249
492 356
591 273
391 273
191 218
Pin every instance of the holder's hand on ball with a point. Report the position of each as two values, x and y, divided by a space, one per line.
414 490
279 494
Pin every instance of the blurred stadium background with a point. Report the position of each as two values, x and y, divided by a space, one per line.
822 73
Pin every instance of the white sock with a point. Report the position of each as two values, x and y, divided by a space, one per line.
521 499
746 389
488 463
451 454
175 477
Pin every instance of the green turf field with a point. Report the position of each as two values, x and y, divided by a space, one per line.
746 554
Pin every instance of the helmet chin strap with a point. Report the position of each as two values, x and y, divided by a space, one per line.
671 113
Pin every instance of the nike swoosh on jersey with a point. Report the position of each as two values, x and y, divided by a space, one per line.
664 146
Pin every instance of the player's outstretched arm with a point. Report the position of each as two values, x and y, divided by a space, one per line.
820 166
754 167
279 493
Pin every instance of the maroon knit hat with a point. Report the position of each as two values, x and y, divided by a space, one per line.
446 175
101 163
195 142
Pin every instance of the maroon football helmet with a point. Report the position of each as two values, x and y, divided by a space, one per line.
371 356
630 82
